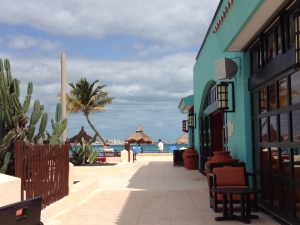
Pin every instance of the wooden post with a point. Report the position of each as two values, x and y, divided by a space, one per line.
127 147
19 164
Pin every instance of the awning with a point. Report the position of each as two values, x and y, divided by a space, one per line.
186 104
265 11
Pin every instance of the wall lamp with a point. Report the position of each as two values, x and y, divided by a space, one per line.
296 17
191 121
184 126
223 96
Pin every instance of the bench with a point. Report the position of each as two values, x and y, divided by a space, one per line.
232 175
27 212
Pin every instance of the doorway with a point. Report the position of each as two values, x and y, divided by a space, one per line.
213 135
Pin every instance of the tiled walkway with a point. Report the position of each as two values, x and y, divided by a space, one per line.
147 193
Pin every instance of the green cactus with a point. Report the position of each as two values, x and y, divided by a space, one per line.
58 112
28 97
7 141
6 160
7 65
58 126
1 66
84 154
13 116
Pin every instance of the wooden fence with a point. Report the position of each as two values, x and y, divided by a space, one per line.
44 171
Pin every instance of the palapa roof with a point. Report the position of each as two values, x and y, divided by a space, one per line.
82 134
139 137
183 139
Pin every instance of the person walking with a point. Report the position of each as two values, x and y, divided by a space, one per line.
160 146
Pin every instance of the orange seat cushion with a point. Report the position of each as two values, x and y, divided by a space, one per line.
19 213
230 176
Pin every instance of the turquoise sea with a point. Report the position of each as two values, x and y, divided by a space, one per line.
147 148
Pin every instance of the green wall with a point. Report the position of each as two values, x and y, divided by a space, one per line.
239 144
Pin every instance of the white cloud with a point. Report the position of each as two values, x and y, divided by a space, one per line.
148 81
172 23
21 41
27 42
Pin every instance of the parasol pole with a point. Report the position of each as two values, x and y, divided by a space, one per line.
127 147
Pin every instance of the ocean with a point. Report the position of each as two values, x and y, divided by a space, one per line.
146 148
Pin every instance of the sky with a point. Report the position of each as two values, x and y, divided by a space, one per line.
144 51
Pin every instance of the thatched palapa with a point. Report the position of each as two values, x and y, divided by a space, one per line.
139 137
82 134
183 139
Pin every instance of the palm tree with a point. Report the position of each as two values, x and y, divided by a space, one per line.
84 98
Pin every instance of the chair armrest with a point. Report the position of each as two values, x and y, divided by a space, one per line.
212 181
253 177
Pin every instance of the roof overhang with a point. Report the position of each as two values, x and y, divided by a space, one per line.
186 104
256 23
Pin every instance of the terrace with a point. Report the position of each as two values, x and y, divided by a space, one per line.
149 191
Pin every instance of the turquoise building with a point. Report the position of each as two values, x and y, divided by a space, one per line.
246 98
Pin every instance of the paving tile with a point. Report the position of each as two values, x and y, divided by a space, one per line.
149 192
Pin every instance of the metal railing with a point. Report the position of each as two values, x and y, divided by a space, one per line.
43 169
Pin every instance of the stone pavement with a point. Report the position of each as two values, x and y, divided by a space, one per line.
149 192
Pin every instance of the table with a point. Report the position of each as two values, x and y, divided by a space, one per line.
245 211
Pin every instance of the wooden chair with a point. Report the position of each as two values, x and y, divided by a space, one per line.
27 212
224 175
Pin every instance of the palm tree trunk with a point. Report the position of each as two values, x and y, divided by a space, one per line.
101 138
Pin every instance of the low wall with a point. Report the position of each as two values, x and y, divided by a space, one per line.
10 189
101 169
114 159
154 157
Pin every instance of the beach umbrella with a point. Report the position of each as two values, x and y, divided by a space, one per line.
183 139
137 150
139 137
82 134
172 148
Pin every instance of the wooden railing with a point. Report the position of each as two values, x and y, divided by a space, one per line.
44 171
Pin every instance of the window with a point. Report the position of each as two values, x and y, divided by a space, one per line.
211 96
283 96
276 141
295 88
271 43
271 97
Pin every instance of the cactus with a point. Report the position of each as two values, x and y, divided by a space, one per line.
28 97
42 128
84 154
13 116
6 160
58 126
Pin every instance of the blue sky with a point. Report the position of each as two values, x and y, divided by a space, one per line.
143 51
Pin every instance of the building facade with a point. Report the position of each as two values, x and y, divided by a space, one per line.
246 97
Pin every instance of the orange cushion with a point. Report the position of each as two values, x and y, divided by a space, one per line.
19 213
230 176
